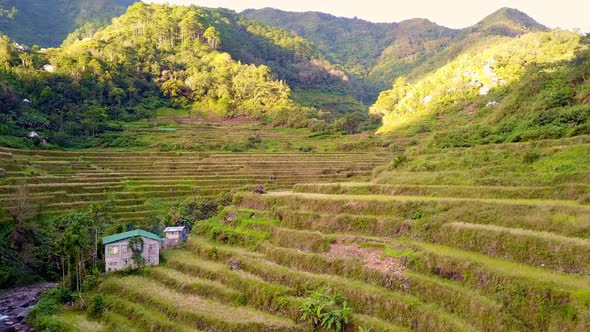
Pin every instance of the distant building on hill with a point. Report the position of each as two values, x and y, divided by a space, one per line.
49 68
32 134
175 236
119 249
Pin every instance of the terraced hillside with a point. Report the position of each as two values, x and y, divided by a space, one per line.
409 251
183 131
61 181
176 155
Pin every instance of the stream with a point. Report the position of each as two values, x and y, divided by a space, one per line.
15 305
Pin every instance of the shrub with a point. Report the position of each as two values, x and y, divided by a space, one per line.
90 283
531 156
326 310
97 307
49 304
397 161
49 324
197 208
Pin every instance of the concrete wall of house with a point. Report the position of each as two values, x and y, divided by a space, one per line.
174 238
118 254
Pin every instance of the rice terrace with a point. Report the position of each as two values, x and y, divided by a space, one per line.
166 166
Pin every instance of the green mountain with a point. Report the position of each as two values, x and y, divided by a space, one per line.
355 44
48 22
499 90
154 56
378 53
508 22
291 58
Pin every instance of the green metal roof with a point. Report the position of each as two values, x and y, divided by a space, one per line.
126 235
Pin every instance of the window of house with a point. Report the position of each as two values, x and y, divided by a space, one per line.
113 250
124 248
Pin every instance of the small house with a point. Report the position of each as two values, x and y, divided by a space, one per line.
119 249
26 101
175 236
32 134
48 68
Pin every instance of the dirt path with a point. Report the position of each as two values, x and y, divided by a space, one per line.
373 259
15 305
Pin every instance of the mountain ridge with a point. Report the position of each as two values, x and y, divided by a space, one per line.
378 53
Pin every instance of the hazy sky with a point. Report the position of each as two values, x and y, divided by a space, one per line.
567 14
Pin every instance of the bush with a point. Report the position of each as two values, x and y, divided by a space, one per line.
326 310
15 142
531 156
90 283
194 209
397 161
49 304
97 307
306 148
48 324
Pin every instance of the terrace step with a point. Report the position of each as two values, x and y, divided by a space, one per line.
532 293
567 218
142 318
260 293
211 289
369 300
386 198
541 249
192 309
564 192
77 321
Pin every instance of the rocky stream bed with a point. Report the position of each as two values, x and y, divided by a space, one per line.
15 305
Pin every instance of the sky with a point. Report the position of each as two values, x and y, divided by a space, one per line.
565 14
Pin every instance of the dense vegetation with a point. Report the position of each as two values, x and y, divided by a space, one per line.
375 54
95 83
157 56
291 58
506 92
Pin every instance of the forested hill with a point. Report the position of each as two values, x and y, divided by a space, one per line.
378 53
499 90
354 43
155 56
48 22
